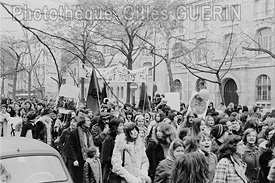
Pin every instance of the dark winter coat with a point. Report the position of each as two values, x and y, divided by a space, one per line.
155 154
98 135
106 155
75 154
251 158
28 126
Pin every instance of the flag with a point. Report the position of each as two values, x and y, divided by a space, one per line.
104 92
143 99
93 98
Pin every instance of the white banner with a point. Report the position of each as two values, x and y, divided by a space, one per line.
198 105
119 74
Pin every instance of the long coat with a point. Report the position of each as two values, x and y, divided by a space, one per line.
106 155
136 163
75 154
155 154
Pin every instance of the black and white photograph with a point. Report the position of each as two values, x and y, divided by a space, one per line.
137 91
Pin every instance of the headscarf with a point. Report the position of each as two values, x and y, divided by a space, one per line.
170 154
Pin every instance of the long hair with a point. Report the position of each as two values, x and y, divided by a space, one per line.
127 130
229 147
195 127
187 122
191 168
113 125
247 132
168 133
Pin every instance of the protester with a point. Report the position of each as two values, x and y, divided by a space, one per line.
231 168
157 149
100 130
29 127
165 167
80 140
130 146
4 118
115 128
191 168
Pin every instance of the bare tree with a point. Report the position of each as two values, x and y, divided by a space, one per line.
12 54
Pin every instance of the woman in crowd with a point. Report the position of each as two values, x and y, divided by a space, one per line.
157 149
11 111
251 154
205 143
148 118
44 127
189 119
129 116
231 168
28 106
115 128
140 121
159 117
191 168
130 146
165 167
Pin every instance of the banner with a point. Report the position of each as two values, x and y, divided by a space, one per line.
198 105
68 97
173 100
119 74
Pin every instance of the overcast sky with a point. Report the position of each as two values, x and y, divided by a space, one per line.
12 28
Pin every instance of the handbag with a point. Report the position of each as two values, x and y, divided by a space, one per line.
114 178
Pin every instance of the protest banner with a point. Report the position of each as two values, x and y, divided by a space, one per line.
198 105
68 97
173 100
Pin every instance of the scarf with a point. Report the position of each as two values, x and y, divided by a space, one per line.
86 140
95 165
240 169
170 154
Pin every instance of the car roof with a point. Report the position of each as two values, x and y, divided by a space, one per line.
17 146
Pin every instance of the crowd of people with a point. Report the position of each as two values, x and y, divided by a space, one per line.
233 144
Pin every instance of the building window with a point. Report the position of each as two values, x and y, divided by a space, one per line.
111 94
264 38
201 49
122 92
263 88
117 92
63 81
149 65
230 42
178 87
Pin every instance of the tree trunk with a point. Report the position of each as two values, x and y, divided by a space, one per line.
15 80
3 86
221 92
130 67
170 77
29 84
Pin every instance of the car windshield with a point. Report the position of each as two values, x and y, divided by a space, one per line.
34 169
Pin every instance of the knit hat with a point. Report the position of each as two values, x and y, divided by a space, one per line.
218 131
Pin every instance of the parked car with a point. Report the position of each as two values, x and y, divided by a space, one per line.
31 161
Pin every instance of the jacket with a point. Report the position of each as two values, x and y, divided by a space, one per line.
63 144
28 126
98 135
228 171
251 158
163 171
44 129
155 154
136 163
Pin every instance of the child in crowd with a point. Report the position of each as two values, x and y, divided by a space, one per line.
92 172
